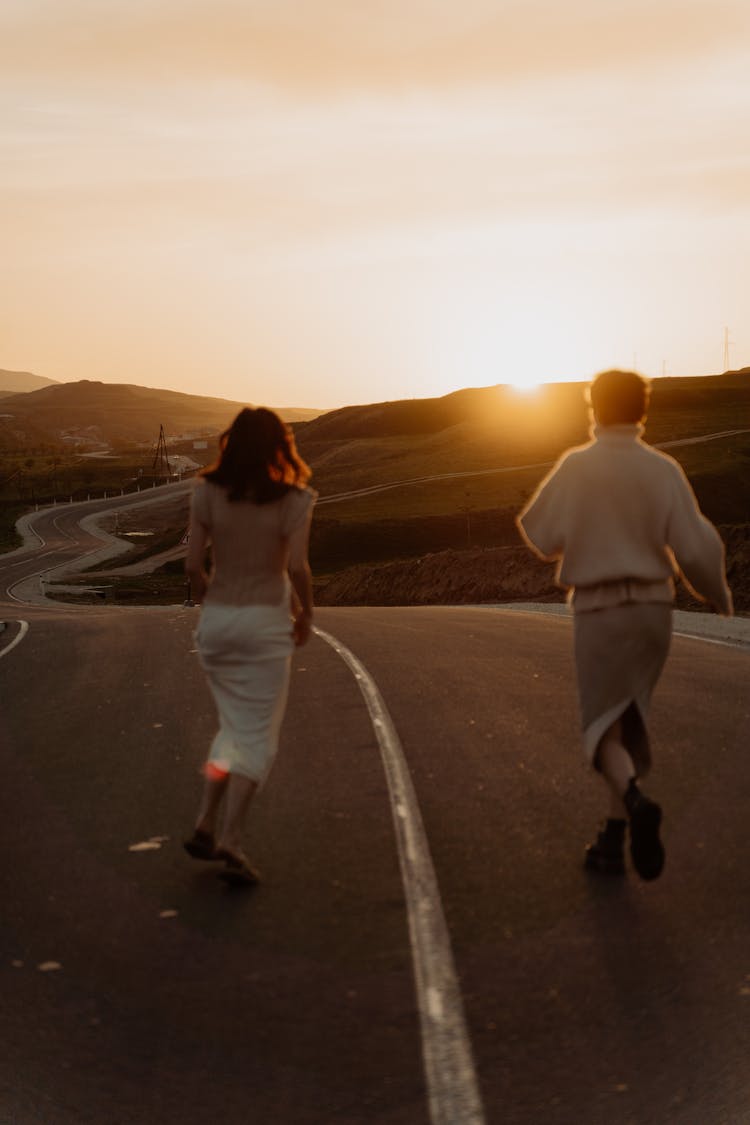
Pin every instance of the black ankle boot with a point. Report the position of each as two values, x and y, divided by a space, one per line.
607 853
646 848
631 796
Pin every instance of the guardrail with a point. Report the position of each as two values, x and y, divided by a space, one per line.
110 493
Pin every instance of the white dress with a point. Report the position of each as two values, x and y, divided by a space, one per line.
244 637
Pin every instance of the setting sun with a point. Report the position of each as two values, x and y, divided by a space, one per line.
528 388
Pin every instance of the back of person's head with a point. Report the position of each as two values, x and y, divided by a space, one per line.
619 398
258 459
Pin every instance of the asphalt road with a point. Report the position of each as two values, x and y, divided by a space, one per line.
55 538
177 1001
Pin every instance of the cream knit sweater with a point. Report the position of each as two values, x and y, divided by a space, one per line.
622 519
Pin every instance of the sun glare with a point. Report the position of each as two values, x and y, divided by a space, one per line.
524 387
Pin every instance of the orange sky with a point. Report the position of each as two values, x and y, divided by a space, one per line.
321 202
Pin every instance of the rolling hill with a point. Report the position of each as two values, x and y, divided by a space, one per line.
114 413
490 427
19 382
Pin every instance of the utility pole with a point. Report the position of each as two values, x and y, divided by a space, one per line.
161 457
727 344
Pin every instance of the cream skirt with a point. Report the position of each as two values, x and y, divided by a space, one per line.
246 653
620 653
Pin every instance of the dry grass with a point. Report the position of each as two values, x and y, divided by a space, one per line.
726 459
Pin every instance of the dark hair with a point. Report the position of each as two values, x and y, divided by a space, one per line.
619 397
258 459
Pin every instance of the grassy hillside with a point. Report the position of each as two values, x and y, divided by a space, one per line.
454 539
496 427
468 430
116 413
19 436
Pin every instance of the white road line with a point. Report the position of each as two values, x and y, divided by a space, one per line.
711 640
452 1087
9 590
556 611
34 558
16 640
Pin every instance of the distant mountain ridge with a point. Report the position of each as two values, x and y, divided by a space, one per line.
490 405
467 429
19 382
114 413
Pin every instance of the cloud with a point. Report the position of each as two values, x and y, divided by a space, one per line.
329 46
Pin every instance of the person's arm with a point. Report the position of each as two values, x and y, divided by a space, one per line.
541 522
198 541
697 548
301 577
303 608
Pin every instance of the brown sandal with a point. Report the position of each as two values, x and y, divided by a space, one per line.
237 871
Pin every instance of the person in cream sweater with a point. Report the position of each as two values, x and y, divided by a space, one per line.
622 521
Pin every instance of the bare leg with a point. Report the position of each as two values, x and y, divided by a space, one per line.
240 793
617 767
606 854
646 849
213 790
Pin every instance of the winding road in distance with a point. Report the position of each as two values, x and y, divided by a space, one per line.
424 946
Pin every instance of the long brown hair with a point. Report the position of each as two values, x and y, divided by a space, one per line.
258 459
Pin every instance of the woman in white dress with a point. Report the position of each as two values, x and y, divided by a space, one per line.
254 510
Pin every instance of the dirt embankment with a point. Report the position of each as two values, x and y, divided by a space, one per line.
446 577
737 543
493 574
